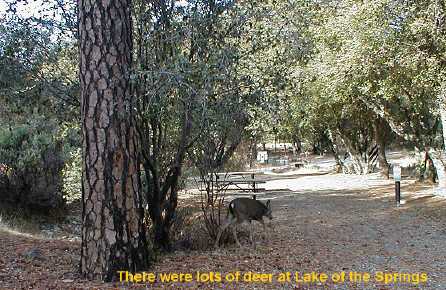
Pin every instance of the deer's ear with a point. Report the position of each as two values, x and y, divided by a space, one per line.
268 203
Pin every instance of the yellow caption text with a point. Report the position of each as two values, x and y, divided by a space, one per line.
284 277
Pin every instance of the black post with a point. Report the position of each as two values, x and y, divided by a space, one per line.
397 193
275 138
253 183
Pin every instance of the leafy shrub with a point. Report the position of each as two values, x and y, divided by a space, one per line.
72 170
72 176
34 155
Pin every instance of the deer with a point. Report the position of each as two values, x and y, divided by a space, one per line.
245 209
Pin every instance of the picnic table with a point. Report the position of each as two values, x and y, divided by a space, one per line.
236 181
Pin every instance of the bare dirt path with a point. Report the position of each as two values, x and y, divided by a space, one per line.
325 231
332 231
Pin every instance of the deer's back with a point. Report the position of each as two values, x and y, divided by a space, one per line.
247 209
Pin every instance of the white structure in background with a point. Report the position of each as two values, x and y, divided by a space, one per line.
262 156
397 172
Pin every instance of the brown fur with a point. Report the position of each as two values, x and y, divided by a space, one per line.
244 209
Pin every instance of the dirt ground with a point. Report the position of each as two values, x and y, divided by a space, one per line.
324 231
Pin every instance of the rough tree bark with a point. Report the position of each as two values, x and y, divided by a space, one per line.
113 237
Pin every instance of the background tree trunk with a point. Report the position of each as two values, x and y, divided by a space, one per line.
381 133
355 155
335 150
113 237
429 172
442 104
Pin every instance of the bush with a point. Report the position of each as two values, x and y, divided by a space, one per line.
191 230
188 232
33 156
72 176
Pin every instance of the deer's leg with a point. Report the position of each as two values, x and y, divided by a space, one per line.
234 232
218 238
227 223
250 232
264 228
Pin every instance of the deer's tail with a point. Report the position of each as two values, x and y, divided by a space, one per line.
230 209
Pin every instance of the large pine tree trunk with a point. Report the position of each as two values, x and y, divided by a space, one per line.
113 237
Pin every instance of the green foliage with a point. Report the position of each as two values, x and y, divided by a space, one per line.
373 59
72 177
39 72
187 90
39 96
22 146
209 74
35 154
